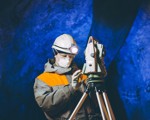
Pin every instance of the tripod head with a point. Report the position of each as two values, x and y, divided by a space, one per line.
94 67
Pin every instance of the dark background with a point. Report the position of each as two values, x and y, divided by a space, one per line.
28 29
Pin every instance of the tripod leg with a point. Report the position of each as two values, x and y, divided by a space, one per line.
102 106
78 105
108 106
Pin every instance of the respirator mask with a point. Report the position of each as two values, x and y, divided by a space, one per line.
64 62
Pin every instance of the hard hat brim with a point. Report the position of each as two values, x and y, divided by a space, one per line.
61 49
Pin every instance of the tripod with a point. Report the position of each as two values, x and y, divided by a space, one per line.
102 98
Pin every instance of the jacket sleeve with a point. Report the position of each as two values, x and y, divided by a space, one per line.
51 99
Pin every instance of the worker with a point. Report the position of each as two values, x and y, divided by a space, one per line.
60 87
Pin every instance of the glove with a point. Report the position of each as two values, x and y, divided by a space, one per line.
75 79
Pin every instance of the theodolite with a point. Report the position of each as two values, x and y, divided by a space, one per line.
95 70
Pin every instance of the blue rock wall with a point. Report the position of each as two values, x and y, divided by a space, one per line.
28 29
133 67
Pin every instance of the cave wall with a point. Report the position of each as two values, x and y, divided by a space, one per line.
28 29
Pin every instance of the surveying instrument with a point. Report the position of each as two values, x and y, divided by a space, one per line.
95 70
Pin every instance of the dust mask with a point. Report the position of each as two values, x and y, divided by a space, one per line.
64 62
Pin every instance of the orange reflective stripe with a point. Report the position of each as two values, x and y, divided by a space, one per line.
53 79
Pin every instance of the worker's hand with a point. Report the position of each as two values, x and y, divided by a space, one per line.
75 79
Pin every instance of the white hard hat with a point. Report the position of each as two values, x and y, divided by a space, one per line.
65 43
